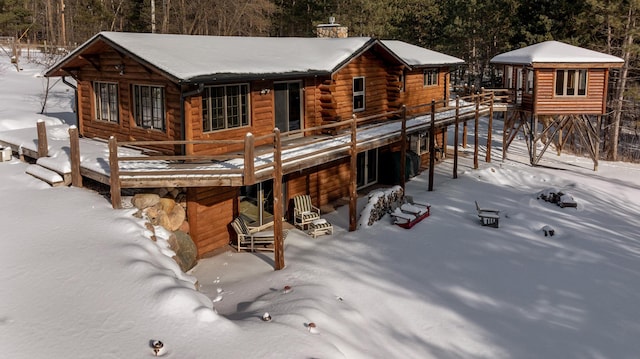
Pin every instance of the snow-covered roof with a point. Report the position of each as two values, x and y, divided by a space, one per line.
555 52
189 57
419 56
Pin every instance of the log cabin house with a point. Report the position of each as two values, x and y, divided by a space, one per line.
177 95
558 90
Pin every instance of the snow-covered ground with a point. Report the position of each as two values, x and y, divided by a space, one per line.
81 280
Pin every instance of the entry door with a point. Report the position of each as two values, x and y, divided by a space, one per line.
367 168
288 105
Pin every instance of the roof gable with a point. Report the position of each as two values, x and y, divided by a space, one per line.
188 58
555 52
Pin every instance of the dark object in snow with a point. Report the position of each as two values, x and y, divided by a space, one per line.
548 231
266 317
560 198
488 217
157 347
287 289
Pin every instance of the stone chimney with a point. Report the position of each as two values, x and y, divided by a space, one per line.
332 29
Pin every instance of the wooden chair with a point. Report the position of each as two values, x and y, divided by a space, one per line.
304 212
488 217
250 237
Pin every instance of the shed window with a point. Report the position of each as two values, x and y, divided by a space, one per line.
148 106
225 107
430 77
106 101
571 82
358 94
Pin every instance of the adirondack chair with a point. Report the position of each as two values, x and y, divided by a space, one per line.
488 217
304 212
252 238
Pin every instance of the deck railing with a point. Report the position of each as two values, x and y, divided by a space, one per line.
254 164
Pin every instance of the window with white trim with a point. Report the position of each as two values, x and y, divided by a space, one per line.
529 85
358 94
430 77
225 107
106 101
571 82
148 107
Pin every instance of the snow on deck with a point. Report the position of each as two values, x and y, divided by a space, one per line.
94 154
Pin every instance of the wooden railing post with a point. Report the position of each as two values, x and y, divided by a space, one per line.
74 146
476 133
43 145
489 130
432 145
249 159
456 138
403 149
353 178
114 175
277 198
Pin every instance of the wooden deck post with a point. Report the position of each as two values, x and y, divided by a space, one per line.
489 130
249 159
403 149
456 139
465 130
432 145
43 145
277 198
114 175
74 146
353 177
476 133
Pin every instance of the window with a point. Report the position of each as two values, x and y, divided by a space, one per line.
225 107
106 100
402 80
358 94
571 82
148 107
430 77
529 85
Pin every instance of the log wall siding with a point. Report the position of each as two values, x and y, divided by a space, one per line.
325 185
416 93
209 212
547 103
373 69
126 129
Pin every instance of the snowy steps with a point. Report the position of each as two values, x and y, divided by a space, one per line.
50 176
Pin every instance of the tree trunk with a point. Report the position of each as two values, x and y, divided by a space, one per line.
614 130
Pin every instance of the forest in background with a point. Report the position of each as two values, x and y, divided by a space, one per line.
473 30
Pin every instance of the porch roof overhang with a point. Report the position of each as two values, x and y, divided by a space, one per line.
552 54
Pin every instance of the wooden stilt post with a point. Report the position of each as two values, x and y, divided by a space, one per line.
476 133
403 149
249 159
455 139
74 146
465 130
597 143
43 145
114 175
432 146
277 198
505 128
353 178
489 130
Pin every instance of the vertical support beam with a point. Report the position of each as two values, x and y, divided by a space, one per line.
43 145
489 130
74 146
456 139
277 199
353 178
597 143
403 149
505 128
476 132
534 139
249 159
114 175
465 130
432 145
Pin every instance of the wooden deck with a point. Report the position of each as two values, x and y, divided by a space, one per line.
303 149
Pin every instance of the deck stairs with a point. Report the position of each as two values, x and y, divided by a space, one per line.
46 170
